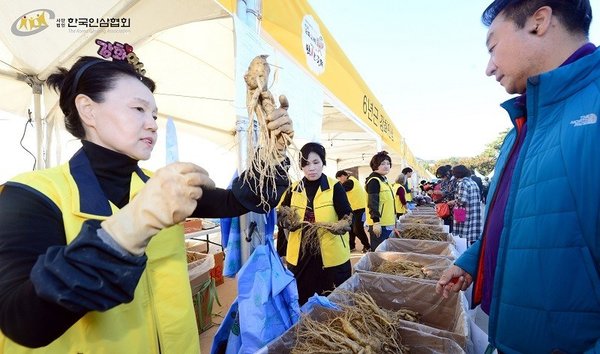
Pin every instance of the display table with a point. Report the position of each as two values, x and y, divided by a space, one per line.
204 235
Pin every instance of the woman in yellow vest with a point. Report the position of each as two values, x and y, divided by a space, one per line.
381 209
318 198
357 196
92 256
400 195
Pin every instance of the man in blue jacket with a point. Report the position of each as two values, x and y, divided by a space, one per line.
536 270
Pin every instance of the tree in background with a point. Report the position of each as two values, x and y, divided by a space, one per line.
484 163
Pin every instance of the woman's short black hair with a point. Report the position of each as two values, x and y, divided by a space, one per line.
443 171
341 173
92 77
378 158
312 147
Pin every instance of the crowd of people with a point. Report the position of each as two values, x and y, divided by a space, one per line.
92 253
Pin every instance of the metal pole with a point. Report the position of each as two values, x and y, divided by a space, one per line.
248 12
36 87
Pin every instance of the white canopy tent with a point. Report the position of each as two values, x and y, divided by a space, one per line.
190 48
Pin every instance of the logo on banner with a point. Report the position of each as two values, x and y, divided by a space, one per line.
32 22
36 21
314 45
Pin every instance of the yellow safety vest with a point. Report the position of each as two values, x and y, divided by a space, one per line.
161 311
400 208
335 249
408 196
357 196
387 209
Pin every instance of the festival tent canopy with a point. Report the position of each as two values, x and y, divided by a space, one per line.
192 49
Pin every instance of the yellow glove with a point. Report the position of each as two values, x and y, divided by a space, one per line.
280 123
168 198
377 229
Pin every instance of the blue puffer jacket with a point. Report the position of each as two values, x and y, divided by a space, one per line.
546 292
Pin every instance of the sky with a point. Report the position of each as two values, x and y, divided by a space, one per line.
425 61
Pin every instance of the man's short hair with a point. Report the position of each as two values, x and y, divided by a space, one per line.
341 173
575 15
406 170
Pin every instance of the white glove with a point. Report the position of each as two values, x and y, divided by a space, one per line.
377 229
168 198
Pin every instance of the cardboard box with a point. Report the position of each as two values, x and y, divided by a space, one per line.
217 272
192 225
421 340
418 246
196 246
433 266
448 319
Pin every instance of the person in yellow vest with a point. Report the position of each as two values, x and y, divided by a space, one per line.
407 172
318 198
381 209
357 196
400 195
92 256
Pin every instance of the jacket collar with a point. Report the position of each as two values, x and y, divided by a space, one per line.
92 199
556 85
323 183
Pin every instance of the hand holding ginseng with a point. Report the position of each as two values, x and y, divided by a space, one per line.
280 125
453 279
288 219
168 198
342 226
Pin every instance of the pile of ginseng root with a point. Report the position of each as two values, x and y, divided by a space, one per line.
193 256
423 220
402 267
312 232
422 232
360 327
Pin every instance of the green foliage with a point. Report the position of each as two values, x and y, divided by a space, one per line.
484 162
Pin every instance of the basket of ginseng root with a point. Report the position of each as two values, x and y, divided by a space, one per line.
447 319
360 326
404 264
434 248
416 219
423 232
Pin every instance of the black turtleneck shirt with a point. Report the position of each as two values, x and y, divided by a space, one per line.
37 304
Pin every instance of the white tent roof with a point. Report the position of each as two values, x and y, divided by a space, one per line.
188 49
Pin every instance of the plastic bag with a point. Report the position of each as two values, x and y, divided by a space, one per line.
460 214
442 210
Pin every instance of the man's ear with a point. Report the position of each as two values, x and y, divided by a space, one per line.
85 107
540 21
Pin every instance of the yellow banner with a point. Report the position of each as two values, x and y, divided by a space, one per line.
298 29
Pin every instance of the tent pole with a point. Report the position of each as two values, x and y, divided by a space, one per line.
248 11
36 87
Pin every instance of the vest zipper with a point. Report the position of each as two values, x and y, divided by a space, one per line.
153 310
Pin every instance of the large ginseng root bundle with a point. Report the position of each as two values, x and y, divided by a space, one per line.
359 327
311 232
400 267
422 220
260 104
